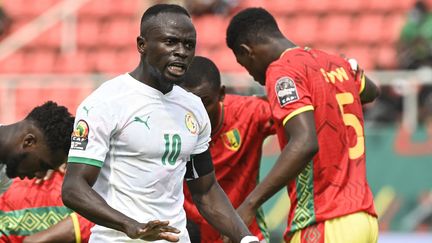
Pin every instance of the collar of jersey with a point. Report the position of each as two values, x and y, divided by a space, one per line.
140 85
287 50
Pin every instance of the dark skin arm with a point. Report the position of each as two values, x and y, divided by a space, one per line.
62 232
214 205
77 194
301 148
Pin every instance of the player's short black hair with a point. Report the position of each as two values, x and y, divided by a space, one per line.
202 70
56 124
249 26
161 8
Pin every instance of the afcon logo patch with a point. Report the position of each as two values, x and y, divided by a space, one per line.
286 91
191 123
232 139
80 136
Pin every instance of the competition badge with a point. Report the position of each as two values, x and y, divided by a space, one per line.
80 136
286 91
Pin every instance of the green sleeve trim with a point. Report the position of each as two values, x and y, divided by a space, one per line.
86 161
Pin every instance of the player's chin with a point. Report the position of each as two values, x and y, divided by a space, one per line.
174 79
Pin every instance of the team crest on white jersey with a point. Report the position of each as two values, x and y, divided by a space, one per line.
191 123
286 91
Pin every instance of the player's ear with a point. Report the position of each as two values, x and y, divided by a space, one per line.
222 93
141 45
29 140
245 50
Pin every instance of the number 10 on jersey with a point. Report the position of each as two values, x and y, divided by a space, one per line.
172 148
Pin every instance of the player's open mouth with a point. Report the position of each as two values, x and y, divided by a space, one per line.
177 69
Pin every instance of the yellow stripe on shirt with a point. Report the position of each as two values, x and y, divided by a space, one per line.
76 226
296 112
362 82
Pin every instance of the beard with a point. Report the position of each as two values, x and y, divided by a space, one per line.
13 163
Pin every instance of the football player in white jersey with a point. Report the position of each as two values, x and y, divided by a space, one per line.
39 142
138 136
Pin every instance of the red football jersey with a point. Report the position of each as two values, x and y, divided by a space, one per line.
27 208
334 183
236 150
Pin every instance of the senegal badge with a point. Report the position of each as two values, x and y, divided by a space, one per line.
191 123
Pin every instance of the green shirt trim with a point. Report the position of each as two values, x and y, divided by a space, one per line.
304 214
87 161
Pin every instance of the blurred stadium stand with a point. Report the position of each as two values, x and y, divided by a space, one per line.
102 28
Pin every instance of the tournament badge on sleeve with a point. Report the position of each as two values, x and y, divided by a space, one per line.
80 136
286 91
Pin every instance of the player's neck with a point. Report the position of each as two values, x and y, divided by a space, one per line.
157 83
281 46
220 118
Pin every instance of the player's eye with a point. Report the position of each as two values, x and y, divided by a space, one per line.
170 41
190 45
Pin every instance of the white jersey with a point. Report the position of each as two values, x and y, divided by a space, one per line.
142 140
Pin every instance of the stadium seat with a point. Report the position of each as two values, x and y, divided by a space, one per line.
368 29
106 61
393 25
88 32
119 32
129 8
50 38
363 54
225 60
350 7
381 6
283 7
39 61
97 9
250 3
315 6
335 29
210 30
127 60
13 63
387 57
25 8
302 30
27 95
77 62
403 5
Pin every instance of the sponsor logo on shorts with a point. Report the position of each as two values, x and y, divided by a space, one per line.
80 136
286 91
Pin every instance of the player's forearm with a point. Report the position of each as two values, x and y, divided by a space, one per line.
292 160
80 197
216 208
